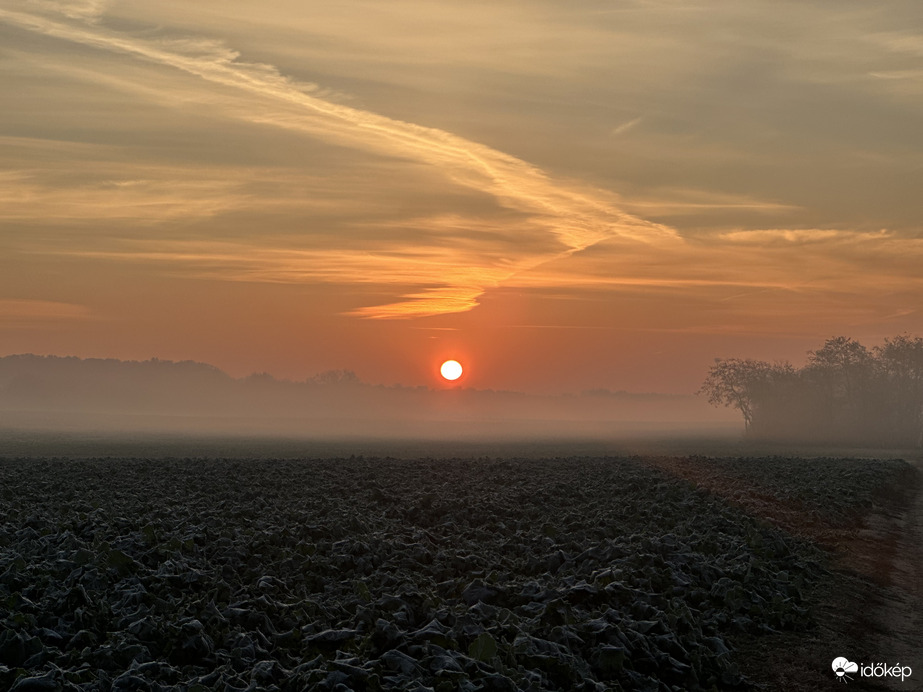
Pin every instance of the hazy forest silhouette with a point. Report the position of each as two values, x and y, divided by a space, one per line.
844 394
68 393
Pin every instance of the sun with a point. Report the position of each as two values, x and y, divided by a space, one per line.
451 370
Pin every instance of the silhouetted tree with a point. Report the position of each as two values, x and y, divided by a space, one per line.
844 363
845 393
842 370
735 382
900 364
782 402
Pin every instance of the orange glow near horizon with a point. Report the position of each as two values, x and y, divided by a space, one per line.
593 228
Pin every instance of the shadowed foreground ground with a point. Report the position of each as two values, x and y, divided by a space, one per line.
870 608
558 574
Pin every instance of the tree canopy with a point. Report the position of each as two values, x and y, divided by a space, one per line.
845 393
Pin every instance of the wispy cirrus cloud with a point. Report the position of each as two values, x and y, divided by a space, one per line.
141 200
779 259
452 277
517 226
675 201
575 216
626 126
30 312
795 235
86 10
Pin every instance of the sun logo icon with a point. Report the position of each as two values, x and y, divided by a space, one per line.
841 666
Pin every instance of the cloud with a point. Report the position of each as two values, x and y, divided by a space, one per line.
142 200
575 215
783 280
732 107
30 312
792 235
86 10
676 201
776 277
625 127
899 42
465 275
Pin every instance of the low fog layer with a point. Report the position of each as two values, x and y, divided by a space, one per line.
53 393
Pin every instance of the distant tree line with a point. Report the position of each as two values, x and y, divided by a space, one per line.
845 393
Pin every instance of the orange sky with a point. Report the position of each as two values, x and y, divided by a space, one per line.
562 197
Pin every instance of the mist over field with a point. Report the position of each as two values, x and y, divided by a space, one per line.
156 396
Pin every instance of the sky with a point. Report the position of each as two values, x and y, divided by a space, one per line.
562 196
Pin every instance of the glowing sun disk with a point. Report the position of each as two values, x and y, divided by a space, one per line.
451 370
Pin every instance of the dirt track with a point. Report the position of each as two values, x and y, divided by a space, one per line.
872 609
888 554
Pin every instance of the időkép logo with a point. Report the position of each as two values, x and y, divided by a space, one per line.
846 670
